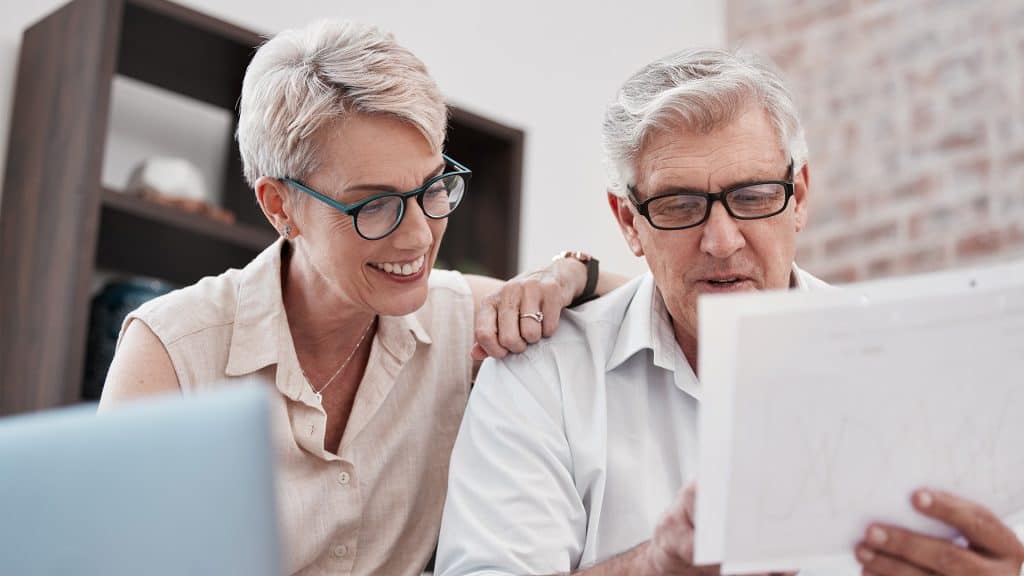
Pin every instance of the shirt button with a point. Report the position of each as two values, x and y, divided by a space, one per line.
344 478
340 551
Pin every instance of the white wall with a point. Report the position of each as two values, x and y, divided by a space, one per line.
546 67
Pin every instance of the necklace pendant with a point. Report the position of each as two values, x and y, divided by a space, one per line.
319 399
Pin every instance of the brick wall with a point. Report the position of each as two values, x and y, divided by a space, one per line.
914 111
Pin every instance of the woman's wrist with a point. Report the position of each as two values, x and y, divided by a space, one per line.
587 270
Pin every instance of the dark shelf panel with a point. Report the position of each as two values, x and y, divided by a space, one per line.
483 235
243 235
137 236
182 51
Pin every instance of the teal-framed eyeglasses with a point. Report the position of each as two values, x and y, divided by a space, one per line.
379 215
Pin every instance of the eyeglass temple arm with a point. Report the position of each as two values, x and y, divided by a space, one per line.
456 163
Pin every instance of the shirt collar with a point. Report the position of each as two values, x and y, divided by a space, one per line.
796 279
259 314
638 328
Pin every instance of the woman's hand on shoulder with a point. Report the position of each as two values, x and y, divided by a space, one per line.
141 368
514 314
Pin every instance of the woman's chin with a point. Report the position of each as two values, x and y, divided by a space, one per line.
399 302
395 294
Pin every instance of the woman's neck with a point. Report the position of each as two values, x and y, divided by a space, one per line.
321 321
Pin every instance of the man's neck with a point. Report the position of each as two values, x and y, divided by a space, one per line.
687 343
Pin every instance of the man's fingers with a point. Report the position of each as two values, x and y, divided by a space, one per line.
690 503
928 552
673 540
881 564
975 522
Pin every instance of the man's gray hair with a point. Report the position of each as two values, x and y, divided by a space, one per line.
304 79
702 89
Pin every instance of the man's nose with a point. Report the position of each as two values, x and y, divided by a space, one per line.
721 236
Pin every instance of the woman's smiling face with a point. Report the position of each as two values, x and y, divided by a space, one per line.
362 156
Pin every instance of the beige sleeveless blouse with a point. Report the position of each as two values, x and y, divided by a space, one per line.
375 507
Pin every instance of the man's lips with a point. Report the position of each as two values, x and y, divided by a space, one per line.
725 283
724 278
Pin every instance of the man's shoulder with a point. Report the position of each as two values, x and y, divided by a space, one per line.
590 328
575 355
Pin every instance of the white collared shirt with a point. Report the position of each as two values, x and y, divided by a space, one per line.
570 452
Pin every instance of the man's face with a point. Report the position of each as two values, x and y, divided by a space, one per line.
723 254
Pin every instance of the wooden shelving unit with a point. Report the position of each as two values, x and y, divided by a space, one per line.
179 246
58 224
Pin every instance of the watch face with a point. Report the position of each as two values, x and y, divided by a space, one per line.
581 256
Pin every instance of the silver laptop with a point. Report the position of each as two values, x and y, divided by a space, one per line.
168 486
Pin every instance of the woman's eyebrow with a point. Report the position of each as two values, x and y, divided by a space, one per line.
388 188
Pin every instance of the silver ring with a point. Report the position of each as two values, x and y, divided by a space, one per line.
538 316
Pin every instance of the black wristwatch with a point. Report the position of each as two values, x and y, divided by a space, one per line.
592 264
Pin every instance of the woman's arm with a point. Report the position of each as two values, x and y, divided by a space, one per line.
141 368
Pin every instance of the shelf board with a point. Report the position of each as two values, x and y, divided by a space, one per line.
145 238
243 235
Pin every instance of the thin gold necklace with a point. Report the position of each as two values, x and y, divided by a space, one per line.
318 394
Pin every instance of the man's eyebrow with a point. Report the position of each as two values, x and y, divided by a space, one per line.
750 182
388 188
670 189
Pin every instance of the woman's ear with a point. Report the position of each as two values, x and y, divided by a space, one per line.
275 200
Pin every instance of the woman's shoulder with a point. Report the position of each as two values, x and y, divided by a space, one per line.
210 302
449 303
448 284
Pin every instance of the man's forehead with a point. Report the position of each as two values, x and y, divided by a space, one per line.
711 171
746 148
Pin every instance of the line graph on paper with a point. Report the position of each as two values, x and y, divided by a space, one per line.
836 424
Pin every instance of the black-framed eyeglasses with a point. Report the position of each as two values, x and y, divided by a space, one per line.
379 215
687 209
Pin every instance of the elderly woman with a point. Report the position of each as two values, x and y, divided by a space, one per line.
367 348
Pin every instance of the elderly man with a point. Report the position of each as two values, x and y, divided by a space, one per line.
574 454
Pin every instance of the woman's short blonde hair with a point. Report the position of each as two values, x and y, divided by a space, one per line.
301 80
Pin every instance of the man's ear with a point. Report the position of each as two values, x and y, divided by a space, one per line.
801 193
626 217
275 198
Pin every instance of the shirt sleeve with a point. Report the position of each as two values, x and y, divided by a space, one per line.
512 505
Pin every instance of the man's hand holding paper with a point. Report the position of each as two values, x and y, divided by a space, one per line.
992 548
845 404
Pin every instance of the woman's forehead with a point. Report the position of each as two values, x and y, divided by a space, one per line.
375 151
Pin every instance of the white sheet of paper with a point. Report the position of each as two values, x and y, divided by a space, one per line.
822 412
